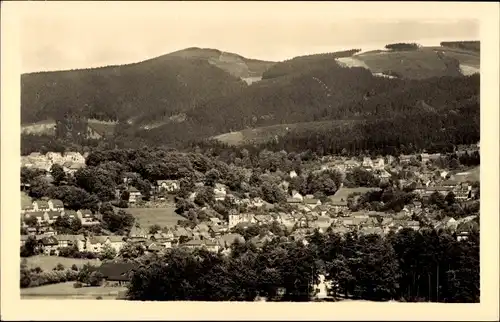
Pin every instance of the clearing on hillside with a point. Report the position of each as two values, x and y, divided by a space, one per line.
165 217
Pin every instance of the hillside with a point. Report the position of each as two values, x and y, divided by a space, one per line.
198 93
265 134
149 90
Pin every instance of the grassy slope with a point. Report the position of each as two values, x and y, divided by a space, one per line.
165 217
47 263
417 64
67 291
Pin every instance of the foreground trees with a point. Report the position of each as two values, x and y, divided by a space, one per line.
405 266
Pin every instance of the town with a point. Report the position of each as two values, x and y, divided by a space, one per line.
93 206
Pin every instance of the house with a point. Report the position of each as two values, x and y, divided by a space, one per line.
405 159
26 207
56 205
219 192
168 185
70 241
74 157
54 157
293 174
351 164
41 205
39 215
413 224
72 167
442 190
463 191
199 244
312 203
51 216
117 273
236 219
339 205
87 217
425 157
322 210
163 239
49 245
70 213
465 229
297 195
321 223
225 241
96 243
379 163
367 163
134 195
371 230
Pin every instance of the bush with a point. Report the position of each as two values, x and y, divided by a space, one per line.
99 298
44 278
74 267
77 285
60 267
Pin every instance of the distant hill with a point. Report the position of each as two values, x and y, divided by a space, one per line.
150 90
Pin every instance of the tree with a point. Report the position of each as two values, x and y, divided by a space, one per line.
95 278
205 197
107 252
153 229
211 177
57 173
450 198
131 251
66 225
118 222
38 188
272 193
30 247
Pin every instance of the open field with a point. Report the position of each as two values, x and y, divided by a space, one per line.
47 263
470 175
67 291
165 217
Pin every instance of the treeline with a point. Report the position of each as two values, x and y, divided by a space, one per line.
402 46
466 45
407 266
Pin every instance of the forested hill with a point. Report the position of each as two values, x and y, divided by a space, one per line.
206 87
140 92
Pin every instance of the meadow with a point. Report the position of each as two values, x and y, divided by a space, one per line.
47 263
165 217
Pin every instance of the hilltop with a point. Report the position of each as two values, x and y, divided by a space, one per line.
154 89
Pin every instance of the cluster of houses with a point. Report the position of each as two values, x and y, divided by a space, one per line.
46 212
70 161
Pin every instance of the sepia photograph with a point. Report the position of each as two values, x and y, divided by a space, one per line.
195 155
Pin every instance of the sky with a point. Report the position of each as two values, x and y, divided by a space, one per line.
70 35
